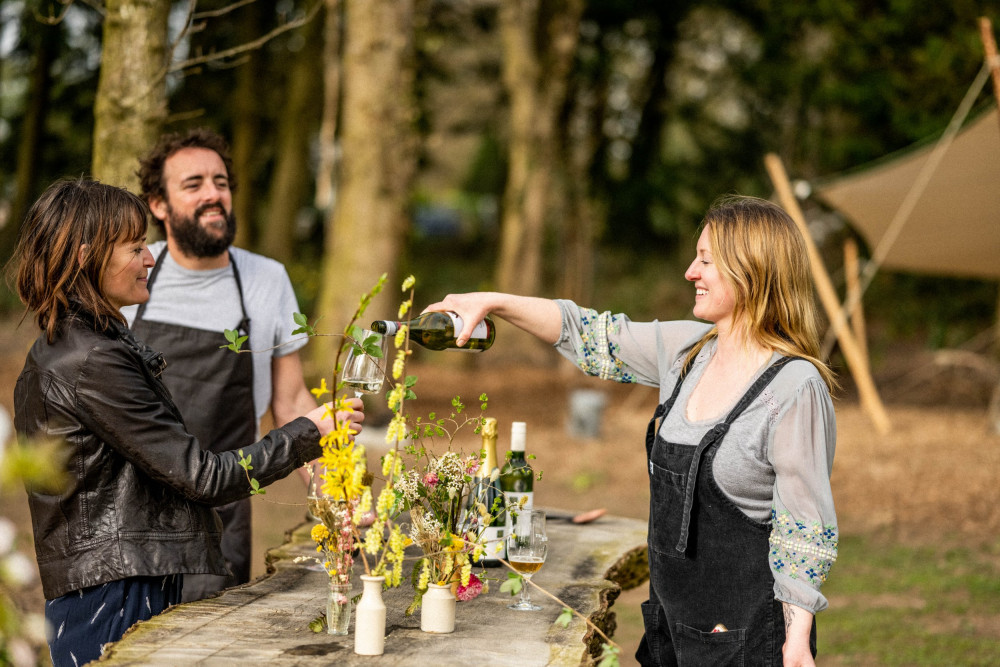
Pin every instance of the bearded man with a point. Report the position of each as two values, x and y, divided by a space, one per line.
200 286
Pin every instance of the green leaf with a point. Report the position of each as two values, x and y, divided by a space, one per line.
564 617
318 624
513 585
609 655
235 340
304 326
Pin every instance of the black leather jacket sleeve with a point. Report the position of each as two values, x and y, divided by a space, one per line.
125 408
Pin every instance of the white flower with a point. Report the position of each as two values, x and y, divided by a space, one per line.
17 569
7 534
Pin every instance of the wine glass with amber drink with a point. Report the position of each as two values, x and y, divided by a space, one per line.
527 546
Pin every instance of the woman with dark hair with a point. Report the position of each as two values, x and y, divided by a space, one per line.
137 515
742 529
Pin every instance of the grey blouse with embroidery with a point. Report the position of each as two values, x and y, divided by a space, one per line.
774 462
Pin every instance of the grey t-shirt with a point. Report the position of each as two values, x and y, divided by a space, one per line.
209 300
775 461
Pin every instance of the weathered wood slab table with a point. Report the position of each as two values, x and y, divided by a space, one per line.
266 621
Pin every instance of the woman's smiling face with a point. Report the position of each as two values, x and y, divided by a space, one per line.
713 300
124 281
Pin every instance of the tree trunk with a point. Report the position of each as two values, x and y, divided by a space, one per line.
326 173
291 170
32 130
131 101
246 125
539 40
365 233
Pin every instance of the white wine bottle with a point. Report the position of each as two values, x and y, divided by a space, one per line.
517 479
437 330
486 490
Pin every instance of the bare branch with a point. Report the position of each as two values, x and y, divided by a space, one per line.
249 46
221 12
54 20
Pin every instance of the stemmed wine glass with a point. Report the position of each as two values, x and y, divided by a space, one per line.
527 546
364 369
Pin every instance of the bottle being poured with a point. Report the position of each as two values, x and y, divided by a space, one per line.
437 330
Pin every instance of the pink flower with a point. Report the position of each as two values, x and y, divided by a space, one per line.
431 479
471 591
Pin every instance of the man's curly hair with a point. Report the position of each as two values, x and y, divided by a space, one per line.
151 165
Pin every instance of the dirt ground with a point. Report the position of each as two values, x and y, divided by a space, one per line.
934 478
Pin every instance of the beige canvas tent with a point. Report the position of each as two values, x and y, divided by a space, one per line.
954 227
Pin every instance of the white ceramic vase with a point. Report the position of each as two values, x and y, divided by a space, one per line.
437 609
369 618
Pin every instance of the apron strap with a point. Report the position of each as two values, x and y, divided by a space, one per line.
244 324
149 285
716 433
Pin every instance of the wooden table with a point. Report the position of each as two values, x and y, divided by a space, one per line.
266 621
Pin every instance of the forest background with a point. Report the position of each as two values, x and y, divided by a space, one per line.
551 147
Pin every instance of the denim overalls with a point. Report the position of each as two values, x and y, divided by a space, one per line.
708 561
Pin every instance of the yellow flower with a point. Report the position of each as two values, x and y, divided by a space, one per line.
409 282
404 308
319 533
401 336
321 390
398 365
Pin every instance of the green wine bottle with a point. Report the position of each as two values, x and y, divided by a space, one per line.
517 479
437 330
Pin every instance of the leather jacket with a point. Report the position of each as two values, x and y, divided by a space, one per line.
141 489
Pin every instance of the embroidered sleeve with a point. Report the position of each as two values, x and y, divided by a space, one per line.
804 533
598 351
800 550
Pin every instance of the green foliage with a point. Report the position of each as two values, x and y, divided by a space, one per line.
255 488
235 340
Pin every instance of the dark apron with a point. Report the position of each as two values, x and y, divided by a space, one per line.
708 561
213 388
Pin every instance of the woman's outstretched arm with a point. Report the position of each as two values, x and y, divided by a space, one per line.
539 317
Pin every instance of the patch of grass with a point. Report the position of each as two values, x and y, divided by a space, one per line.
899 605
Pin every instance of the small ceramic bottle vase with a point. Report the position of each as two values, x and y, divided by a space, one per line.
437 609
369 618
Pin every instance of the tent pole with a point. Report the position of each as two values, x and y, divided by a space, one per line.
851 273
856 361
990 51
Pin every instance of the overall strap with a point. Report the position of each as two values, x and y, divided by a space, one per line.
663 408
715 434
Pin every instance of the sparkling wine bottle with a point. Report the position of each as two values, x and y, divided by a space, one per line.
517 479
486 490
437 330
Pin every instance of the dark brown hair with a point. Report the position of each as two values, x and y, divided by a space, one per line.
151 165
49 271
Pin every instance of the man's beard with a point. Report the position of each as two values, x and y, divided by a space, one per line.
195 240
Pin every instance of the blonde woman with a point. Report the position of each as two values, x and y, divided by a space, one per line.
742 528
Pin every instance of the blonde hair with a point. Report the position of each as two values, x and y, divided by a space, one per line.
761 255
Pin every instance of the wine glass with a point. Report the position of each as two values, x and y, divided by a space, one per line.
527 546
364 369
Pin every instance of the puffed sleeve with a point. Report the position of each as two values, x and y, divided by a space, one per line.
804 525
613 347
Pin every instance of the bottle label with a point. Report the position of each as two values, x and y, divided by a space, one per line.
479 333
494 544
514 499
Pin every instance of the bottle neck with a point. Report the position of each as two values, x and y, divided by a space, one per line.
490 459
